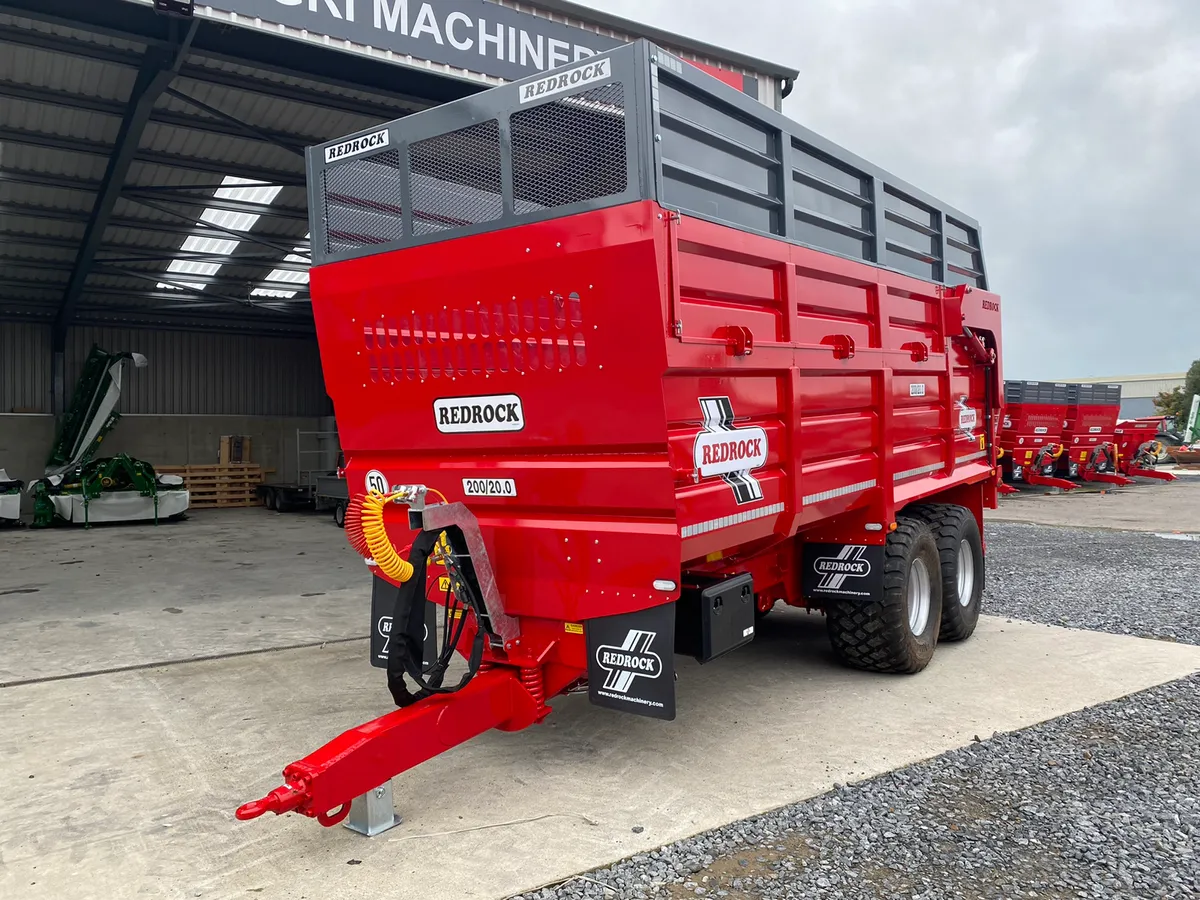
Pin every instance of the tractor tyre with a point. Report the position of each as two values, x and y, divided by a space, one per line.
898 631
339 514
963 567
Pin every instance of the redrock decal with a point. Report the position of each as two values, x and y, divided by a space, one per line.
479 415
732 453
573 78
356 146
720 454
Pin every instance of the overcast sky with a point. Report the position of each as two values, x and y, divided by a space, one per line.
1070 130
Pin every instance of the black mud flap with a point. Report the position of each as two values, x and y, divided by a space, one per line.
631 662
843 571
383 604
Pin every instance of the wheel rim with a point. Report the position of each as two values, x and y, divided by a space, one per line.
966 573
919 597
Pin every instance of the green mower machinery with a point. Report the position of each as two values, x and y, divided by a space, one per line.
80 488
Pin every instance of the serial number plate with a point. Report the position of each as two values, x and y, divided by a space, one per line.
489 487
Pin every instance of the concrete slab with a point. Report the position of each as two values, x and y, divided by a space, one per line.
123 785
224 581
1147 506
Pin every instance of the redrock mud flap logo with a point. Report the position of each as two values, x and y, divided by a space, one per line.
632 660
631 663
733 453
843 570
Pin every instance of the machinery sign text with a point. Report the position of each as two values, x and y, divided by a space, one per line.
473 35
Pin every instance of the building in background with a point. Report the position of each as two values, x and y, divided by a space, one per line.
1137 391
152 192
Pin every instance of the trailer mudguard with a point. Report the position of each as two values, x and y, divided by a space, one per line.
631 662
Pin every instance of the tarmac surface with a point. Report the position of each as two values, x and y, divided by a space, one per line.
144 700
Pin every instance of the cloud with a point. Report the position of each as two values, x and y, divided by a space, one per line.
1070 130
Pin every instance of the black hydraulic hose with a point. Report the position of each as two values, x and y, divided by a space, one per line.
406 656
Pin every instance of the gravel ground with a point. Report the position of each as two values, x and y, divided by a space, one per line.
1104 802
1146 585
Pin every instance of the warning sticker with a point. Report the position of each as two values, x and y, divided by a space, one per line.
572 628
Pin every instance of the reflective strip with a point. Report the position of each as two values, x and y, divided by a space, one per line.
909 473
934 467
736 519
838 492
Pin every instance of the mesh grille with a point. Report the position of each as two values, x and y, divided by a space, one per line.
362 202
570 150
456 179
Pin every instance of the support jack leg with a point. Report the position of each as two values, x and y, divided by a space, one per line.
374 812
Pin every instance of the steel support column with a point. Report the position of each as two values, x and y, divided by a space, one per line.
157 71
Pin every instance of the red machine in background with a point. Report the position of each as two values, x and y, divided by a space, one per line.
1088 434
633 373
1054 431
1031 445
1139 448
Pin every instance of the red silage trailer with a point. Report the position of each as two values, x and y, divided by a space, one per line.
1030 433
1088 434
634 358
1139 449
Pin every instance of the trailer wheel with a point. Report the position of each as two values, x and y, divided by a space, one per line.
961 552
270 500
339 514
899 631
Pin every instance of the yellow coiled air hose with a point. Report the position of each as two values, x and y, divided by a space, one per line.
367 534
375 536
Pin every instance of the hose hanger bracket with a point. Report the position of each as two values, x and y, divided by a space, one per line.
441 516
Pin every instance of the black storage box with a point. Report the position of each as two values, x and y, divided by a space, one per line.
714 617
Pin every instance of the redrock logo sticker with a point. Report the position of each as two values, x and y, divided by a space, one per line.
842 570
599 70
721 449
834 570
630 661
466 415
356 146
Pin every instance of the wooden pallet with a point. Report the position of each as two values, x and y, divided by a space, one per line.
217 486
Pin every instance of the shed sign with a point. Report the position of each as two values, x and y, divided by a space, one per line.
476 35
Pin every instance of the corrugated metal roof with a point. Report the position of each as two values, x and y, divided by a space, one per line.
63 93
